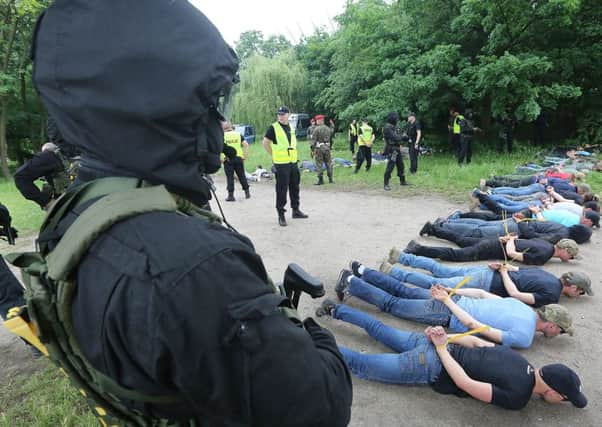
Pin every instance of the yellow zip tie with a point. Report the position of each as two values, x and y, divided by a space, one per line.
465 334
459 285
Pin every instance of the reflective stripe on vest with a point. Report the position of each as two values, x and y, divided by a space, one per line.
282 151
232 138
366 135
353 129
457 124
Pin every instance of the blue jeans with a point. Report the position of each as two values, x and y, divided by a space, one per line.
393 286
480 276
520 191
512 206
414 363
428 311
473 227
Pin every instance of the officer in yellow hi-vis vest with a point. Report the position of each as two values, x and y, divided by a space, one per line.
234 160
365 139
353 130
454 128
281 143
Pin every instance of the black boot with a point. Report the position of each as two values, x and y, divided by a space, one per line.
281 219
230 197
330 179
298 214
402 181
387 186
320 180
247 194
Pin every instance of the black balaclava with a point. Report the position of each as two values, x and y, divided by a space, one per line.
135 86
393 118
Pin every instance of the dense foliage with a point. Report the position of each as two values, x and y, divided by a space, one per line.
536 61
530 60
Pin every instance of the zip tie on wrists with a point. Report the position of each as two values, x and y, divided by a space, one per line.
458 286
465 334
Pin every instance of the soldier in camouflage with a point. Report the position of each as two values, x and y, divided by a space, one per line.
321 148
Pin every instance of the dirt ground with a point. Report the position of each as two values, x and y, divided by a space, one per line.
344 226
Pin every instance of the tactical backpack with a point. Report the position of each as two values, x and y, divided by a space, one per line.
50 281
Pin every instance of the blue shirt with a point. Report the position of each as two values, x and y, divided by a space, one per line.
516 320
560 216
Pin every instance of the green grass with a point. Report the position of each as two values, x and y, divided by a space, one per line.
46 398
43 399
26 215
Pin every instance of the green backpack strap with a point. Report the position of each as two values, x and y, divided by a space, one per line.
99 217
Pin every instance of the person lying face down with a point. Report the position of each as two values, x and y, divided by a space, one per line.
468 366
510 321
531 285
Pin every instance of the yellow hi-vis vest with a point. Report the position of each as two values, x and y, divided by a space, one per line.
232 138
353 129
457 124
284 152
366 136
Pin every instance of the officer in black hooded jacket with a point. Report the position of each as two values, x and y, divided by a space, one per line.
393 139
151 309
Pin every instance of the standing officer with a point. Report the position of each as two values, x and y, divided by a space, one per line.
365 139
393 140
467 131
414 138
180 327
321 148
332 129
455 129
50 165
353 131
311 128
234 160
281 143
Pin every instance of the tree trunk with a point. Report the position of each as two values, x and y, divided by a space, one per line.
3 142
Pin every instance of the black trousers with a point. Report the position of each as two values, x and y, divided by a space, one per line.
473 249
288 178
395 161
232 166
413 153
11 291
352 143
484 215
363 153
465 151
455 143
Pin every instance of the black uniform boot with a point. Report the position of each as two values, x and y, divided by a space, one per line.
330 179
230 197
281 219
402 181
247 194
387 186
298 214
320 180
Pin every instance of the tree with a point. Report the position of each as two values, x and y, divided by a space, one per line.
17 20
253 43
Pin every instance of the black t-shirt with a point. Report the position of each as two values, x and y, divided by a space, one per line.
510 374
570 195
271 133
413 131
545 287
549 231
535 251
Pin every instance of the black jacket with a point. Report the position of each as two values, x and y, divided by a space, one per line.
42 165
151 310
545 230
393 137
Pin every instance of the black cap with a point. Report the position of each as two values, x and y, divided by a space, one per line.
283 110
564 381
594 217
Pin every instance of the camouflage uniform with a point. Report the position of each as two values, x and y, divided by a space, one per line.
321 149
310 131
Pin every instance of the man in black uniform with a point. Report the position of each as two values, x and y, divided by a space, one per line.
467 131
352 134
11 292
393 139
153 311
45 164
280 142
414 138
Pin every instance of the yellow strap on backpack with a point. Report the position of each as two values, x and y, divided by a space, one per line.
16 324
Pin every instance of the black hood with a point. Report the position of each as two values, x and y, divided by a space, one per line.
392 118
134 85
